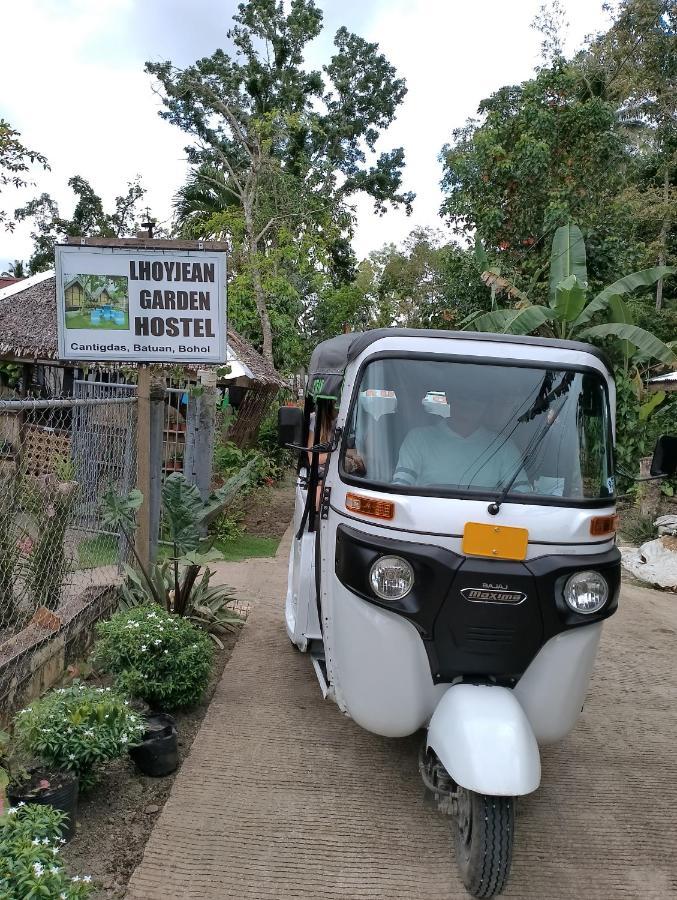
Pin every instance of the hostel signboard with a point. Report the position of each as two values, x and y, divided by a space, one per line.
141 304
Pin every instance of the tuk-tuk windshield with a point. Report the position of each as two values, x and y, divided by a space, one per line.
449 427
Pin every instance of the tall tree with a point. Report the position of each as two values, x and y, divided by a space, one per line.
636 63
539 155
15 162
424 283
292 145
89 219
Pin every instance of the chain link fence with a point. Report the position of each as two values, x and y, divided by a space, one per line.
59 563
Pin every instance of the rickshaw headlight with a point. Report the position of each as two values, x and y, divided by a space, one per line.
586 592
391 578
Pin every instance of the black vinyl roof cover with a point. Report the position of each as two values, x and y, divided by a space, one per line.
332 356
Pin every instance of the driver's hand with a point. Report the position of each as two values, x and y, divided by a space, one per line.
354 464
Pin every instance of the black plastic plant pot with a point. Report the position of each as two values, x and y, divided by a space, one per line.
158 752
57 789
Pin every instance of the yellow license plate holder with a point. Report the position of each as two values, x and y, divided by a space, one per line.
495 541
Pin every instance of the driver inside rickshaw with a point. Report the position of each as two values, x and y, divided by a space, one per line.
470 449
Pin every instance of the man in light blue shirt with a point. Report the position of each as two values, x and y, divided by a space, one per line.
460 451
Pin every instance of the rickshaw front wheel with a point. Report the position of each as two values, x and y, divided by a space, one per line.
483 838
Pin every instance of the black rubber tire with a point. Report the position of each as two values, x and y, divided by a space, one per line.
483 838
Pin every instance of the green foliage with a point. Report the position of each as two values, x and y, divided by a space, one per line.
227 528
9 549
30 865
10 374
264 466
569 309
206 606
248 546
15 161
102 550
278 151
637 529
640 420
180 584
89 219
156 656
76 729
539 155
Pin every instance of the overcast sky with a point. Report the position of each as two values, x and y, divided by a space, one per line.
73 84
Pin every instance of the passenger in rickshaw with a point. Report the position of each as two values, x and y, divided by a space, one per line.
462 450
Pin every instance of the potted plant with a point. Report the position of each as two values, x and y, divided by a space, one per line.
158 752
71 731
41 786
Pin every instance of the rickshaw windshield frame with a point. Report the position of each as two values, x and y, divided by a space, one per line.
459 493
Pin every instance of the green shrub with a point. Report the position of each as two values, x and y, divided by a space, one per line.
156 656
76 728
227 527
207 607
30 866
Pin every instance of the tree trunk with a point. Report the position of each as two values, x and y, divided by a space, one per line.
663 235
259 294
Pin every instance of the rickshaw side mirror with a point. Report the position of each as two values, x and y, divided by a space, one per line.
289 426
664 460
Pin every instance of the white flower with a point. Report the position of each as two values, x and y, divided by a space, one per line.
54 870
89 733
55 851
63 896
75 878
21 803
38 868
36 842
23 711
45 840
71 756
143 648
12 811
157 641
62 840
87 878
166 651
124 738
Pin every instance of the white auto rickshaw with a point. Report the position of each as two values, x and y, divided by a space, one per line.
454 555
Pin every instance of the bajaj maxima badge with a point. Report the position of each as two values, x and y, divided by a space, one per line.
490 594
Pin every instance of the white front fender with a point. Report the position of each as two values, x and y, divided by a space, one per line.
484 740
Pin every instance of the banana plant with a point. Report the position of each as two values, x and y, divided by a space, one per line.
569 310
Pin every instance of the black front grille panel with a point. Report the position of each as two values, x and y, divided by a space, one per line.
495 637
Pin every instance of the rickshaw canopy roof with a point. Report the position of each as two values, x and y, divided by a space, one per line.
330 358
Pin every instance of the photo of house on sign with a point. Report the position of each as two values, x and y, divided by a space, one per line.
96 301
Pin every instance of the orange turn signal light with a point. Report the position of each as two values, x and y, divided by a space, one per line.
601 525
369 506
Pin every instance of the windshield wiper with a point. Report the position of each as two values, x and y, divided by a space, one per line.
542 405
495 506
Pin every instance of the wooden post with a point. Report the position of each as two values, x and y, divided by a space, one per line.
143 463
200 428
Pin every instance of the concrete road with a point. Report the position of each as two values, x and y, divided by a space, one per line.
283 797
